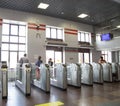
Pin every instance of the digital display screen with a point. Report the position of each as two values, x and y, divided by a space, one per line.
106 37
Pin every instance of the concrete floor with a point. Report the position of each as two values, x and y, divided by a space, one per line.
107 94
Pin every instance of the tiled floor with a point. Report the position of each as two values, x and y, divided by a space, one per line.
96 95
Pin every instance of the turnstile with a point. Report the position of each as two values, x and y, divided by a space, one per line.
43 80
4 79
86 74
74 75
97 73
107 72
60 76
23 78
115 71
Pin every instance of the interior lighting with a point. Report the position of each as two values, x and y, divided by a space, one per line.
43 6
118 26
82 15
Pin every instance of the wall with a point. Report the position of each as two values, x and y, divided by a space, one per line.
0 35
36 45
111 45
95 55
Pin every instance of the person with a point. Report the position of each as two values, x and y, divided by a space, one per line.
50 62
101 60
23 60
38 63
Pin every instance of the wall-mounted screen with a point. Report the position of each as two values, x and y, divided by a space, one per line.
106 37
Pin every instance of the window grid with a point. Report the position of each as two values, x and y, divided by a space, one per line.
54 33
106 55
9 36
13 41
84 37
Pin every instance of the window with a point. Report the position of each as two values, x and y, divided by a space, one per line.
84 37
48 32
107 56
56 54
13 42
5 29
54 33
84 56
14 30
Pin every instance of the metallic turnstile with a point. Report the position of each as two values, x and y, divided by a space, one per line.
43 80
23 78
74 75
60 76
115 71
4 79
86 74
107 72
97 73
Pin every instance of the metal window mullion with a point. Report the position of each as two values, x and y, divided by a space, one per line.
84 37
50 32
56 33
9 45
80 36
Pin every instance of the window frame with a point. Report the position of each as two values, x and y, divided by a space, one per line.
57 37
82 37
16 43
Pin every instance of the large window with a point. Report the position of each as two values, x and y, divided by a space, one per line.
13 41
84 37
54 33
55 53
84 56
107 56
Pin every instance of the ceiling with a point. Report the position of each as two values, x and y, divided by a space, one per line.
101 12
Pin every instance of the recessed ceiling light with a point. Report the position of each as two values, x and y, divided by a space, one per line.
118 26
62 12
43 5
82 15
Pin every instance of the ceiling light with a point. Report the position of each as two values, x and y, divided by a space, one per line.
118 26
62 12
82 15
43 5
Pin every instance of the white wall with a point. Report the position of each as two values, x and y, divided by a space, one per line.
72 57
111 45
36 46
95 55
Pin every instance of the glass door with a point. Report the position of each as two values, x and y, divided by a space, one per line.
58 57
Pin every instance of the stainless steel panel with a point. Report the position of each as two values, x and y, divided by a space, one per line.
86 74
4 83
60 78
107 72
97 72
23 78
74 74
116 71
44 81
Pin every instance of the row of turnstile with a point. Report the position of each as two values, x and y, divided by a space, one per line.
62 75
59 76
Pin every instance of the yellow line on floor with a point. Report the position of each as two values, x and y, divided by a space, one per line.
57 103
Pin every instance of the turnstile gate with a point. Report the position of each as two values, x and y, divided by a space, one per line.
23 78
4 79
41 79
74 75
60 76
